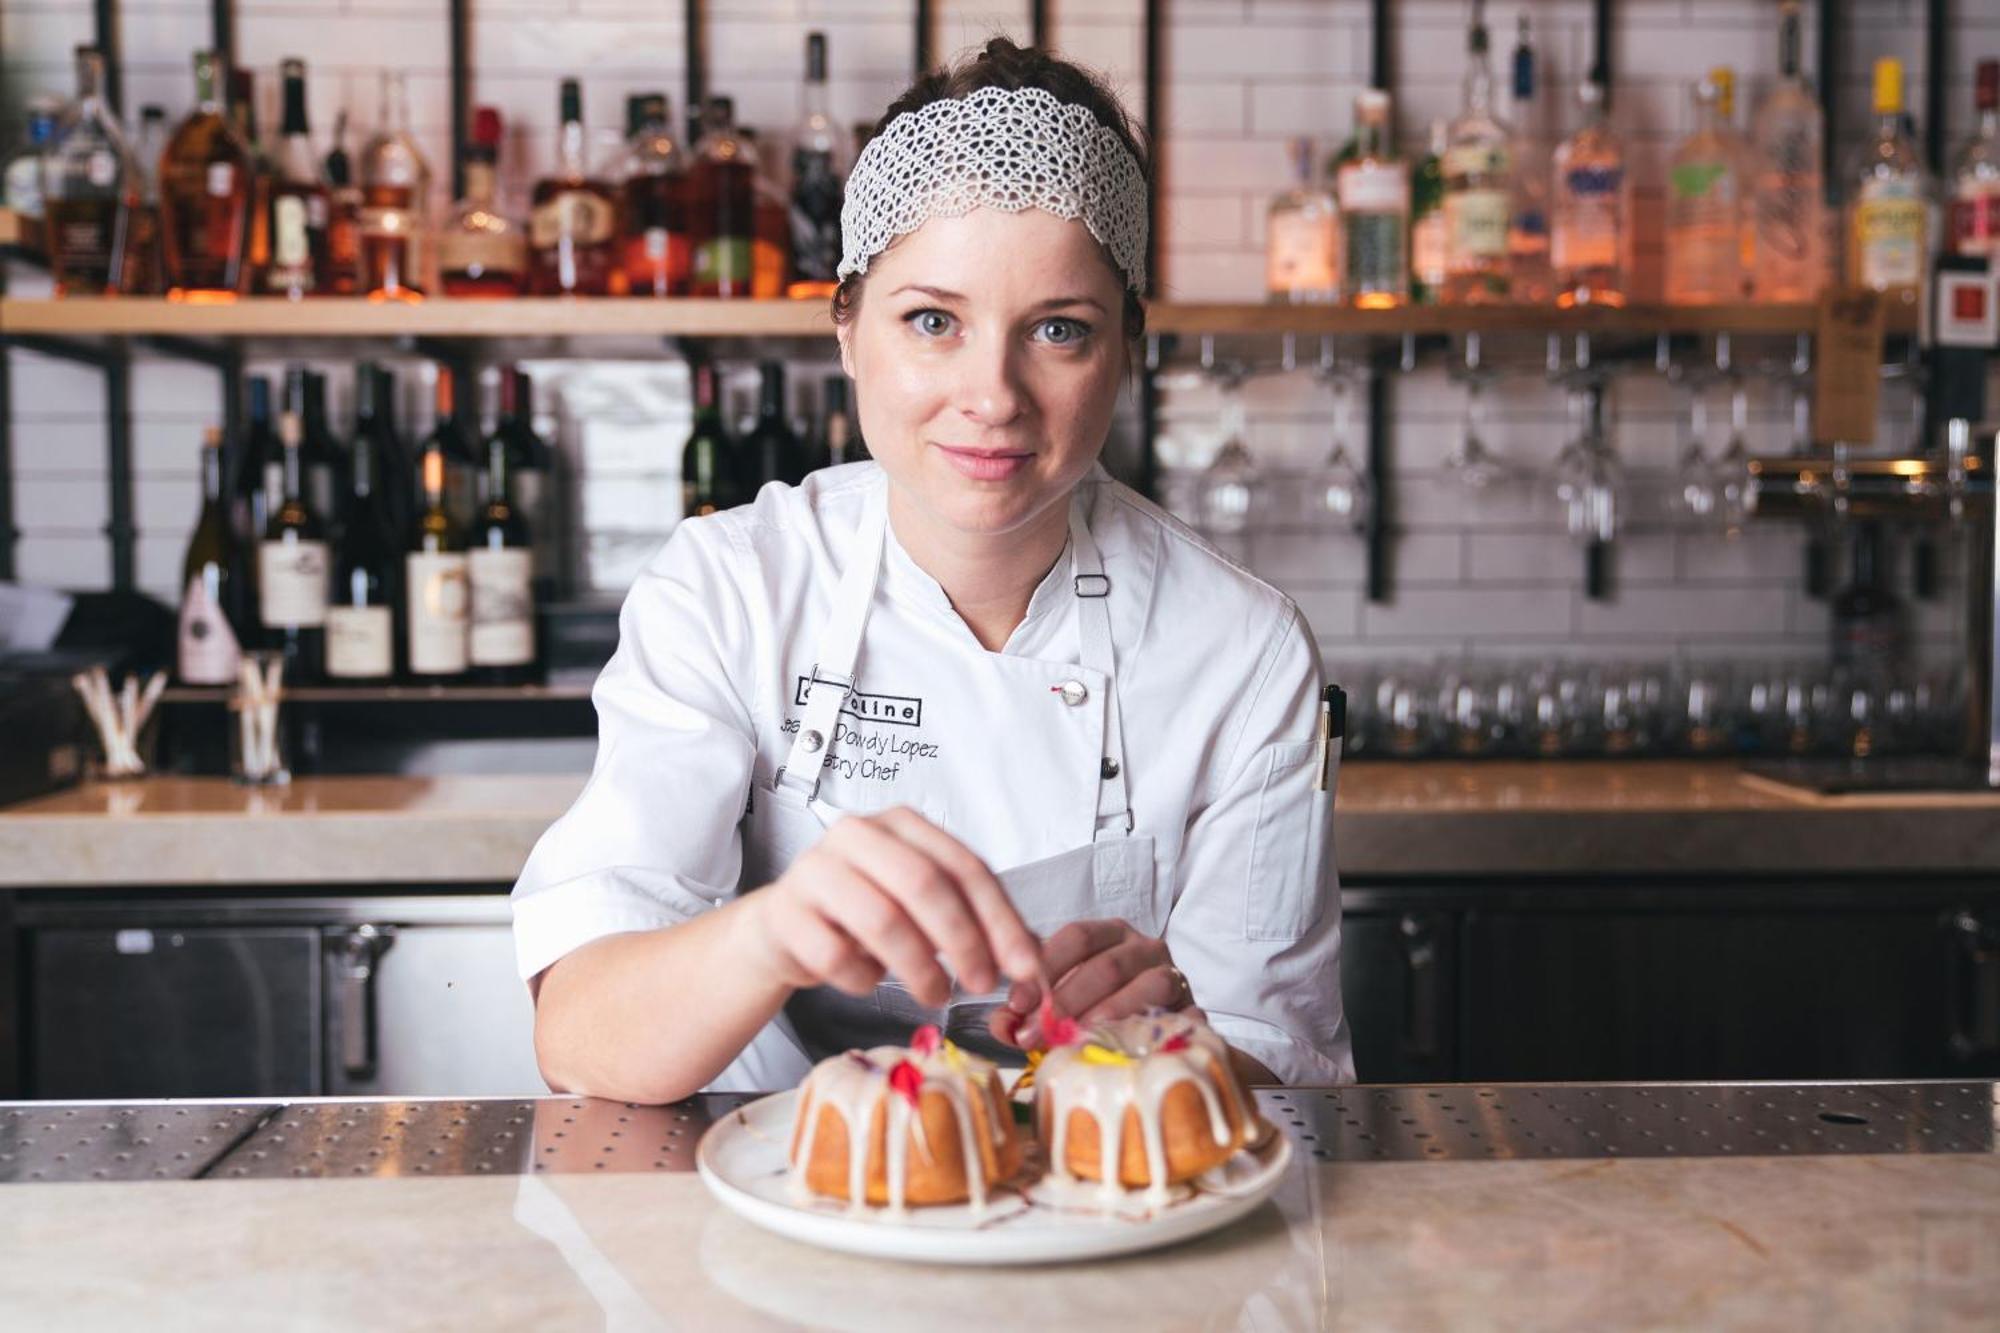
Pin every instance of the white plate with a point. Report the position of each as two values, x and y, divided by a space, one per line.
742 1158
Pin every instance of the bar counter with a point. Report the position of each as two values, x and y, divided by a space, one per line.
1612 1205
1392 819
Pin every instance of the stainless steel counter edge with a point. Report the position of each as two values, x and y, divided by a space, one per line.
1392 820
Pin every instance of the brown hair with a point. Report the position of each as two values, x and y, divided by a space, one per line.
1002 64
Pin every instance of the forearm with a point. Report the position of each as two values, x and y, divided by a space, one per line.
652 1016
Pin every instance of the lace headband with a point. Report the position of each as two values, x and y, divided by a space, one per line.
1010 149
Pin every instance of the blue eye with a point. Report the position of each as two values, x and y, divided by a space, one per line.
1063 332
928 322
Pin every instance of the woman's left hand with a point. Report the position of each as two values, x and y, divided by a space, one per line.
1101 970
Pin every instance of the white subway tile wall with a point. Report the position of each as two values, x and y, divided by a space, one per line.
1488 573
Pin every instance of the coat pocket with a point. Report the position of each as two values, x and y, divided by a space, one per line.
1291 850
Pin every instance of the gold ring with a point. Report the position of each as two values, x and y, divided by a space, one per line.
1182 991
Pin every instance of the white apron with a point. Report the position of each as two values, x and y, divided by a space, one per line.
1059 725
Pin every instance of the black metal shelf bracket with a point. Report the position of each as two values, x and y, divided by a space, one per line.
460 26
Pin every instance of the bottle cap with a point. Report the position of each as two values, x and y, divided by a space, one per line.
1372 101
1888 86
1724 80
815 57
486 128
1986 86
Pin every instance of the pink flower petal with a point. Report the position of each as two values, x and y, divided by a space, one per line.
1177 1042
907 1080
926 1040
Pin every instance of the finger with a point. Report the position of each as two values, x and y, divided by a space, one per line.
1103 975
929 894
1006 1026
1077 941
1154 988
855 903
825 954
1015 946
1023 997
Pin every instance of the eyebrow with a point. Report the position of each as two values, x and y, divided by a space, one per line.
942 294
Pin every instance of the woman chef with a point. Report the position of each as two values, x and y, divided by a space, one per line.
912 740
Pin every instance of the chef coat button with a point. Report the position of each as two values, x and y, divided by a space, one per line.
1073 692
1110 769
812 740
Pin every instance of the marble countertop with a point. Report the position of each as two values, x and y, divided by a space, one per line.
1392 819
1864 1240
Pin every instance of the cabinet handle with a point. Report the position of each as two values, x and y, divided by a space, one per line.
1422 1003
1974 993
355 998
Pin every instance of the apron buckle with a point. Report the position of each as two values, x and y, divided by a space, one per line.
1092 585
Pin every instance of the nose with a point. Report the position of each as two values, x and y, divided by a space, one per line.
990 389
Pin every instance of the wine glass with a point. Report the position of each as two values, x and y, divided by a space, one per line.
1475 465
1233 483
1698 483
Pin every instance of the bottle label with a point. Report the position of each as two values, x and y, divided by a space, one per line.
723 259
289 246
656 243
1696 180
1587 232
503 608
1889 226
207 648
579 216
1475 223
359 640
1427 249
437 611
291 584
1475 160
221 178
1374 253
1975 222
103 169
1373 187
1299 255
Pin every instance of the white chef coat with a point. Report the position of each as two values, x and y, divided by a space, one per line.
1217 684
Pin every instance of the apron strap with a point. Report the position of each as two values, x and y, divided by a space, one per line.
1093 622
839 649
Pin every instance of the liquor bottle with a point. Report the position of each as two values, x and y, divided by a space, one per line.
1705 203
343 219
842 445
434 575
305 395
92 187
1888 226
21 179
480 252
770 224
360 612
449 432
772 451
242 85
1788 208
1975 177
658 253
1528 224
395 200
207 648
1867 616
1373 194
711 477
1427 234
500 647
573 225
530 473
257 473
145 264
206 181
1478 171
721 196
395 467
1591 210
820 160
297 212
1301 237
292 568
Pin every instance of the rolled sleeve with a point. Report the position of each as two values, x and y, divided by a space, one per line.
1256 923
652 840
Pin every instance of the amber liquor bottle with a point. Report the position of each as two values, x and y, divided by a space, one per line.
395 199
296 212
343 219
206 179
721 197
573 221
481 252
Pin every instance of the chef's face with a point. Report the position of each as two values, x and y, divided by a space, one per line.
986 353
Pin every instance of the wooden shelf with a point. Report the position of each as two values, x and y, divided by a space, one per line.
19 233
604 317
399 694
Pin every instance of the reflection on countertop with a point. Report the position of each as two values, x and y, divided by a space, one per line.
1392 819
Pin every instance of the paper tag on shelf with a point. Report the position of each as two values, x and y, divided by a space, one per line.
1848 362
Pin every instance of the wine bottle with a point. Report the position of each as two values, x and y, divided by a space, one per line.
305 394
530 473
360 613
461 465
842 440
207 648
292 567
710 476
773 451
256 471
500 568
434 574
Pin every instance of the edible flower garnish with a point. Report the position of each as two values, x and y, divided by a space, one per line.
1093 1054
926 1039
907 1080
1177 1042
1057 1029
953 1057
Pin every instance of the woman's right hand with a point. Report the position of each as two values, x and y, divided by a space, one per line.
891 893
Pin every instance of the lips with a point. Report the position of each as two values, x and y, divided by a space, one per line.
985 464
